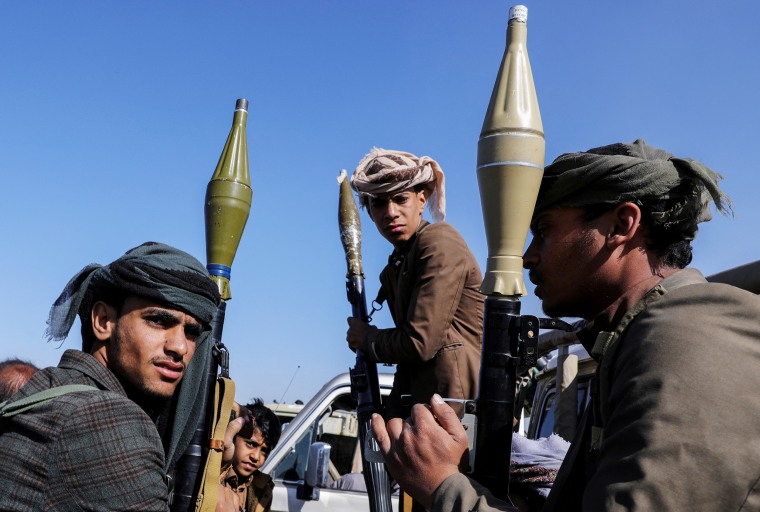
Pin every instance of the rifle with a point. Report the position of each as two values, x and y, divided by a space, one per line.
365 387
227 205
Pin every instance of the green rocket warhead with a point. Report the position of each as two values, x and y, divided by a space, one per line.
350 227
228 202
510 163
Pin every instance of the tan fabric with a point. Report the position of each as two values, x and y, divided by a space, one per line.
386 171
255 492
229 478
438 312
259 498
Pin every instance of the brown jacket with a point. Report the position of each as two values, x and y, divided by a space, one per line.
431 286
255 492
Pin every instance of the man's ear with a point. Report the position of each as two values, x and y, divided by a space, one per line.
625 224
103 318
422 198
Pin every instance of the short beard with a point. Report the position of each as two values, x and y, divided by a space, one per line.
150 401
583 308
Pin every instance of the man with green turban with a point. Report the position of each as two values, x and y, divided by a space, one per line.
96 447
669 426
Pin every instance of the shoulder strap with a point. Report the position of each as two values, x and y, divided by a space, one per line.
224 395
604 350
10 409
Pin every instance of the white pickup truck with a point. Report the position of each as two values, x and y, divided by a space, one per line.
329 417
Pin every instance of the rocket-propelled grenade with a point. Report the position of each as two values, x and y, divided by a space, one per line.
510 162
365 386
350 228
227 205
510 168
228 202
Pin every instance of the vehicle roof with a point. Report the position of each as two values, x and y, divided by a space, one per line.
341 380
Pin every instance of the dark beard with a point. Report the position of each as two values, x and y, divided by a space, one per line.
150 402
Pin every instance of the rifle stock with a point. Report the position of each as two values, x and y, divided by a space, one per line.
365 386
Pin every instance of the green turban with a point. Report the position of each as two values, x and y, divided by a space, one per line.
164 275
635 172
152 271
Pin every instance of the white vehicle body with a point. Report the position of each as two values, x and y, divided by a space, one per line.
330 416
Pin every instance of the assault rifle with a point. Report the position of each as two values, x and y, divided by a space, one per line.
365 387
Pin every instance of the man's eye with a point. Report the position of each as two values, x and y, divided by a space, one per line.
158 320
193 332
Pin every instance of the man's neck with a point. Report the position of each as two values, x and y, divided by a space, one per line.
633 292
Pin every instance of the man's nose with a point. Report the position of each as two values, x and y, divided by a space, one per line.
530 257
391 211
176 341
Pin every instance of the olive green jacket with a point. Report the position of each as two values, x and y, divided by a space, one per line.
680 417
431 286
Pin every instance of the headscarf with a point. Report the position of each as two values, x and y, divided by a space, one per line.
153 271
385 171
635 172
165 275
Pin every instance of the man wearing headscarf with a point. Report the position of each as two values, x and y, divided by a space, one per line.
142 318
430 283
668 426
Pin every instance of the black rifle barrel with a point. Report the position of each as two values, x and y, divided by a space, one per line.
366 388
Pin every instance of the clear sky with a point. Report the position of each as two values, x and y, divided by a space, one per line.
113 116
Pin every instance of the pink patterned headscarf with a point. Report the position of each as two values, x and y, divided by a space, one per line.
385 171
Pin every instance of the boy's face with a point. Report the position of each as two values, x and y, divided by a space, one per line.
397 216
250 454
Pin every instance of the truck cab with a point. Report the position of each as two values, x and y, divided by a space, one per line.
561 393
329 417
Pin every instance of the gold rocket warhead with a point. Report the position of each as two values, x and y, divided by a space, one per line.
510 163
350 227
228 202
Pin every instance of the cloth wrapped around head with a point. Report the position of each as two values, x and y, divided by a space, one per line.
635 172
167 276
152 271
385 171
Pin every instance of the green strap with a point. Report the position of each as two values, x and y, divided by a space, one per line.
604 350
9 409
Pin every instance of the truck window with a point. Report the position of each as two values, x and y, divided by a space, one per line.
336 425
292 467
546 425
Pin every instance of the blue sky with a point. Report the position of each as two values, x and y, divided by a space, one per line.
113 116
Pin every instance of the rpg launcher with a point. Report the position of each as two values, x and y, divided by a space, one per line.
365 387
509 169
227 205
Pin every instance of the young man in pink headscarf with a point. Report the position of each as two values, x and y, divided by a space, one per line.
430 283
